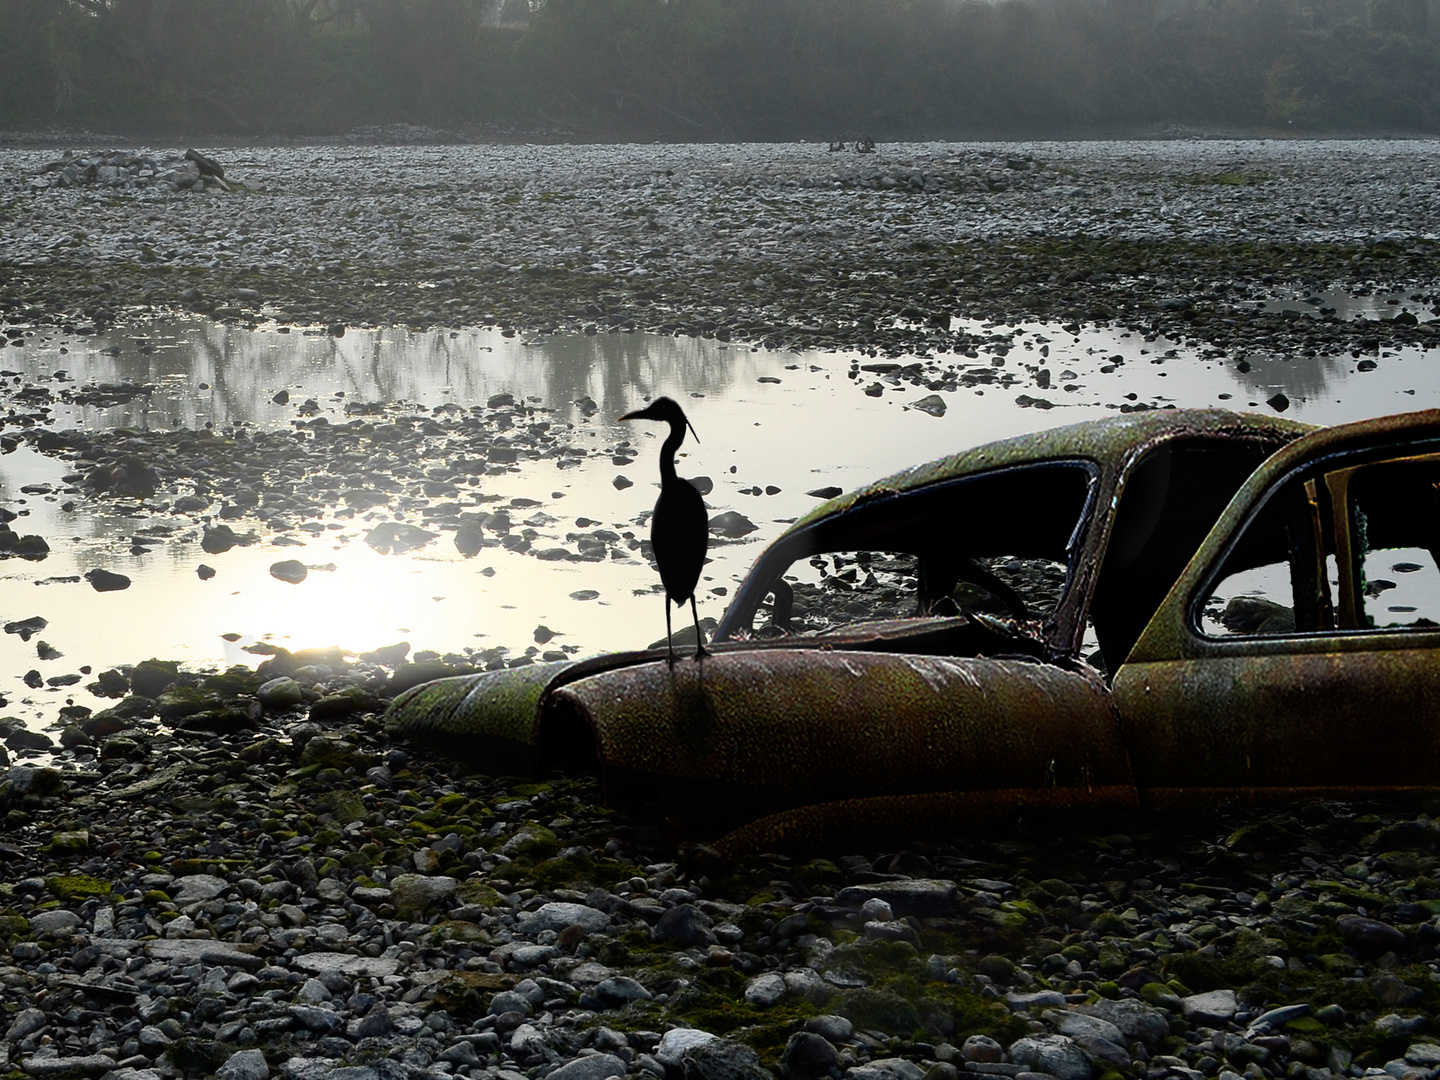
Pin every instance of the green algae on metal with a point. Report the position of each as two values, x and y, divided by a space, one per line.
485 715
1104 440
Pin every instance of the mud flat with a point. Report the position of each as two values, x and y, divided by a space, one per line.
783 243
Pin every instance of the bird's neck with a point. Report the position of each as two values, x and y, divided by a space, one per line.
667 451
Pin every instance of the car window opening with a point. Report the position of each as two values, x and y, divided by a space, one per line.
996 545
1169 503
1353 548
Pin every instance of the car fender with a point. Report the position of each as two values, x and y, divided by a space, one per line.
742 735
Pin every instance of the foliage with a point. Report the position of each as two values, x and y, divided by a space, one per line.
721 68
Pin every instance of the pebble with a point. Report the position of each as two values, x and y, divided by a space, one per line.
1054 1055
1211 1008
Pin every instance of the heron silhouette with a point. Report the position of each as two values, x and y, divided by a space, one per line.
679 528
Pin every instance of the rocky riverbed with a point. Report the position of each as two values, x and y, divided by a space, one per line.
237 873
240 875
786 244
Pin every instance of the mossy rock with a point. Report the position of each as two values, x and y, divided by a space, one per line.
1214 973
233 682
72 886
1338 963
1050 891
477 892
181 701
458 930
568 870
1119 924
715 1003
1406 864
999 968
531 841
875 959
223 719
346 806
880 1010
1252 945
151 677
1112 959
343 703
1409 836
468 993
325 751
132 707
70 842
818 870
1264 836
1161 996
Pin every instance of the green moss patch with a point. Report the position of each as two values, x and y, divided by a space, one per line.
72 886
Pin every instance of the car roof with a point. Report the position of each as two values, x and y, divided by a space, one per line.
1108 441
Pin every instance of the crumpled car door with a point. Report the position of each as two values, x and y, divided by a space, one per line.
1297 652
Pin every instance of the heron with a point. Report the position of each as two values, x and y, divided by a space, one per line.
679 528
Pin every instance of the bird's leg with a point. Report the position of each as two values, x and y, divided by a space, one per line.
700 649
668 643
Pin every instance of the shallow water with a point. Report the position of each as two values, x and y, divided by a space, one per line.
1348 307
786 420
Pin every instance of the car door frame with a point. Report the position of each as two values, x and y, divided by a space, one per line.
1334 712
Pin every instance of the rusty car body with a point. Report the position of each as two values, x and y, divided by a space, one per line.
1154 609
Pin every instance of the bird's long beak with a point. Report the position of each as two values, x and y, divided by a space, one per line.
638 414
692 429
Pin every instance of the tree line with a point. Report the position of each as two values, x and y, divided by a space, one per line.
721 69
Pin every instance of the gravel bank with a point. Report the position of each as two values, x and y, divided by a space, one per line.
238 874
258 884
786 243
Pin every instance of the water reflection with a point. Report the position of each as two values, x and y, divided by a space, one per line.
204 372
1347 306
795 422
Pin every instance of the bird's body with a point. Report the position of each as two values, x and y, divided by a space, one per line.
679 528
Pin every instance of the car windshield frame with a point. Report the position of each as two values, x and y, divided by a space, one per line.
738 621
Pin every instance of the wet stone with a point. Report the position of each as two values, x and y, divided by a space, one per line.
1215 1007
809 1054
594 1067
1055 1055
557 916
1365 933
892 1068
765 990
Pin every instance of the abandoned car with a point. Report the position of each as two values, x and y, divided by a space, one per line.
1150 610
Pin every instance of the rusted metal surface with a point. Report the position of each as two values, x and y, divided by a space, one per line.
1289 713
762 731
936 816
488 717
1337 708
929 725
1109 440
1111 447
1203 798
